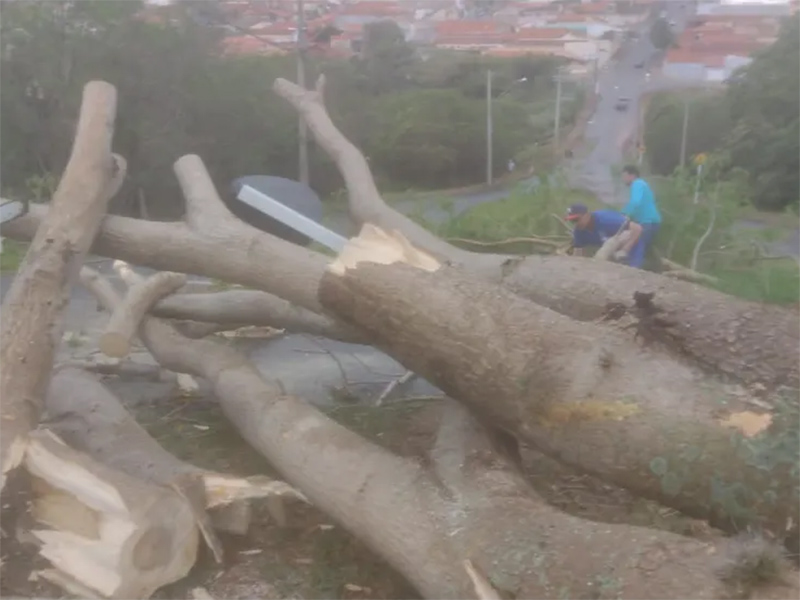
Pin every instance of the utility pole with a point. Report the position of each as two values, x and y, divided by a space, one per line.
557 130
685 132
302 130
489 127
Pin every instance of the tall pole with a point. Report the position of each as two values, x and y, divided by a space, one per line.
685 132
489 127
557 130
302 130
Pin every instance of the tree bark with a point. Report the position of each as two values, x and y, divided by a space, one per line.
32 313
469 505
124 322
583 393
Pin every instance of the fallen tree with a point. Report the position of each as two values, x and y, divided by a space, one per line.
32 310
746 341
227 250
584 393
466 525
213 243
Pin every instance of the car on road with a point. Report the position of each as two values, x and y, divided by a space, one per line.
639 65
622 104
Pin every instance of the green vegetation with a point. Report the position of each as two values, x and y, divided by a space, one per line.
661 34
420 122
753 127
12 255
733 254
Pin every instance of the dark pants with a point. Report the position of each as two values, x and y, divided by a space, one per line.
649 231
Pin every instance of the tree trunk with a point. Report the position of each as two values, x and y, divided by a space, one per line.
32 312
586 394
128 543
470 505
106 534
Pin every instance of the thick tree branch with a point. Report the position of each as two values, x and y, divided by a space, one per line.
365 202
581 392
32 310
235 307
121 328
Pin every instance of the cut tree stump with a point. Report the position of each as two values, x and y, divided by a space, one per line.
116 453
32 322
105 533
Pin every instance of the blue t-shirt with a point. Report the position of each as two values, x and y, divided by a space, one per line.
641 206
605 224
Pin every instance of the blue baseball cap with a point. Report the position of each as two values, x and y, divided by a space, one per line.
575 211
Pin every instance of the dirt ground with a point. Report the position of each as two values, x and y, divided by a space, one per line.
312 557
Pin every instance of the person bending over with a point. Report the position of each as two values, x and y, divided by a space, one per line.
594 228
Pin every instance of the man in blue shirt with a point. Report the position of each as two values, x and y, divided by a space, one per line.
641 209
596 227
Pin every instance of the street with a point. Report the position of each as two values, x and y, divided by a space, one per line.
610 128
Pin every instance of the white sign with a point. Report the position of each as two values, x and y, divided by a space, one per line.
291 218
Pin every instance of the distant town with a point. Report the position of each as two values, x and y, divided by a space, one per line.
719 37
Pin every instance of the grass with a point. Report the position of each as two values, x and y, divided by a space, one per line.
530 213
12 255
772 281
523 214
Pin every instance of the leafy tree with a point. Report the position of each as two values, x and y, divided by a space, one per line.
386 57
708 125
661 34
765 108
438 137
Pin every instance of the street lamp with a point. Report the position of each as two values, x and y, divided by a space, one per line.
490 122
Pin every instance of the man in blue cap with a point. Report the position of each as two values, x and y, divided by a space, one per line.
594 228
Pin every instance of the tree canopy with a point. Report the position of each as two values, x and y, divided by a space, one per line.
178 93
754 126
661 34
765 110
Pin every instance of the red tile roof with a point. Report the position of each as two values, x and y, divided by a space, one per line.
536 33
470 27
247 44
377 9
488 39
